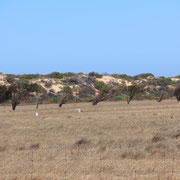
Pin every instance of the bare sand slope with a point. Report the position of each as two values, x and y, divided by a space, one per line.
111 141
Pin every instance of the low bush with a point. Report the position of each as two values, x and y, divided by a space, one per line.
10 78
167 81
118 98
55 100
48 84
122 76
143 76
97 75
56 75
101 86
89 99
67 90
68 74
29 76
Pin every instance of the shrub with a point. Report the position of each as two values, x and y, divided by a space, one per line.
143 75
10 78
80 73
167 81
55 100
29 76
101 86
56 75
121 98
48 84
89 99
68 74
122 76
95 74
86 91
67 90
118 98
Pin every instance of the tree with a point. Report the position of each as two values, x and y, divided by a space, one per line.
65 95
106 92
134 90
21 90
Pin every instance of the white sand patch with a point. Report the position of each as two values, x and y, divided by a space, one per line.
110 79
3 80
175 79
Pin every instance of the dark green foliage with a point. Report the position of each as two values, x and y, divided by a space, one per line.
20 90
101 86
122 76
85 92
68 74
97 75
67 90
4 93
89 99
167 81
143 76
80 73
118 98
29 76
48 84
56 75
55 100
10 78
162 81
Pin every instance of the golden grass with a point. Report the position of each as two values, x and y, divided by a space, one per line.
112 140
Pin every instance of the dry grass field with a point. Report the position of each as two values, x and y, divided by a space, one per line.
111 141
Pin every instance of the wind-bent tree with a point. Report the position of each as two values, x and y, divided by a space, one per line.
65 95
162 94
177 92
133 90
20 90
106 92
103 91
41 96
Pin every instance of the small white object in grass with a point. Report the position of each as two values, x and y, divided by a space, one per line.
79 110
36 114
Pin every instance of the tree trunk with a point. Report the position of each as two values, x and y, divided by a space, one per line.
14 104
128 100
61 103
37 105
160 98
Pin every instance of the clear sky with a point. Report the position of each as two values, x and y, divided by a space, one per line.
105 36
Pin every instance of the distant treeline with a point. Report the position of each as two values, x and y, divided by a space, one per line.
57 75
79 88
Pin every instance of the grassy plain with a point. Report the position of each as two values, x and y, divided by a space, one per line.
110 141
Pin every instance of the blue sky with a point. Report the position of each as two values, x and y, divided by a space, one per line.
105 36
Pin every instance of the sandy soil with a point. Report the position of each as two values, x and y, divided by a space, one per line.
110 141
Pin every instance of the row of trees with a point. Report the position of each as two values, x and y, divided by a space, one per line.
18 91
23 90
